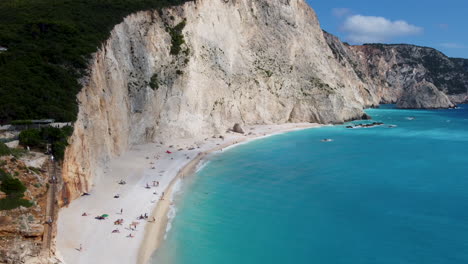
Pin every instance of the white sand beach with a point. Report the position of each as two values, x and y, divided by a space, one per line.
142 165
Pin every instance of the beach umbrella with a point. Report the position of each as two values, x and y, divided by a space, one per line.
105 215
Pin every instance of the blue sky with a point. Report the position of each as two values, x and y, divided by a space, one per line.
439 24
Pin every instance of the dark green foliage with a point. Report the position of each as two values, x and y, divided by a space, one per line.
30 137
21 122
4 150
461 62
154 82
39 138
17 152
58 149
177 38
49 44
3 175
14 189
12 203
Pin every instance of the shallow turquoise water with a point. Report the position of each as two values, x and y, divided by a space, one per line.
373 195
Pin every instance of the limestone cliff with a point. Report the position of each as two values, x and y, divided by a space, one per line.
423 95
195 70
399 67
405 73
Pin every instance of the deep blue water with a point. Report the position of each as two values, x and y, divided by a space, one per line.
373 195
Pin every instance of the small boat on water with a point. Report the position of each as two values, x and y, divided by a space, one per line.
327 140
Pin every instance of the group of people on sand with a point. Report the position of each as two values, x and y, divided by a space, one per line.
155 184
145 216
142 217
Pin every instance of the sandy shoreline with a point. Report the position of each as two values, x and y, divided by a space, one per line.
142 165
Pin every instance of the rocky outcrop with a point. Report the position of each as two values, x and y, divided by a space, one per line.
194 70
22 228
423 95
398 67
395 72
238 129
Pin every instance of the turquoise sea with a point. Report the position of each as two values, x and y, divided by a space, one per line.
373 195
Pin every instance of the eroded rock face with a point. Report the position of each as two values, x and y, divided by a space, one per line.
423 95
22 229
238 129
398 67
396 72
243 61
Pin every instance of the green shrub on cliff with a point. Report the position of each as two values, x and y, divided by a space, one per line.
14 189
4 150
177 38
39 138
30 137
49 43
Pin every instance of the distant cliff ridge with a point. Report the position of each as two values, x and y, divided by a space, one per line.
402 73
195 70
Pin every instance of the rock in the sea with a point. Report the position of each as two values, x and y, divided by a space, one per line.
423 95
366 117
238 129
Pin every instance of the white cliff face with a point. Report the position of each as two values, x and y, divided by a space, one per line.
423 95
399 67
243 61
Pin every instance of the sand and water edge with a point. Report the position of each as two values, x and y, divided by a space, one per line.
139 167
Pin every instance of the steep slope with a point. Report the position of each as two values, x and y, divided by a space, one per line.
402 66
405 73
197 69
423 95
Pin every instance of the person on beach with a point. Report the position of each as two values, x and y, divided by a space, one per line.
157 183
154 183
147 186
121 211
81 248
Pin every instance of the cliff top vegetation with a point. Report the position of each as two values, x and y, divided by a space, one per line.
46 47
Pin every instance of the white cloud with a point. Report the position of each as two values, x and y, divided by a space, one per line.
450 45
341 12
371 29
